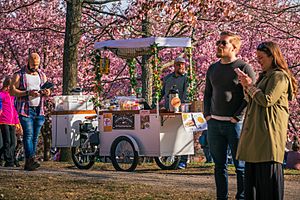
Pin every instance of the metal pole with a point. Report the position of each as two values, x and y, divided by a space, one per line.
155 68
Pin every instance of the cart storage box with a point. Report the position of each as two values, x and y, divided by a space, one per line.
65 127
73 102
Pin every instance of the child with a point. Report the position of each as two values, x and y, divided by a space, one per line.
8 120
293 157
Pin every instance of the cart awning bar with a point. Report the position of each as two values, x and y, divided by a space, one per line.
144 43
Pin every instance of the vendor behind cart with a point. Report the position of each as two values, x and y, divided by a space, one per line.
178 81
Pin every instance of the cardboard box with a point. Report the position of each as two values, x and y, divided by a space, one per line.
197 106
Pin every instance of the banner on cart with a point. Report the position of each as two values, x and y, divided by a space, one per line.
145 119
123 121
107 122
194 122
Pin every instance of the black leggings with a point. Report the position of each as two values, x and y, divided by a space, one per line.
264 181
9 142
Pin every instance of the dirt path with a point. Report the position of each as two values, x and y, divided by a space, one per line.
185 180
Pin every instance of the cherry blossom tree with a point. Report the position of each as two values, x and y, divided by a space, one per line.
28 26
40 25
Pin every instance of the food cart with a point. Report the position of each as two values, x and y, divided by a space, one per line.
126 134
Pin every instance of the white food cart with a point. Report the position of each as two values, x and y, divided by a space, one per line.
125 135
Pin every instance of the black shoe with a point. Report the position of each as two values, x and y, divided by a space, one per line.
17 164
36 163
30 165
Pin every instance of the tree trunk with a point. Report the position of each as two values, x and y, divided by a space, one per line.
47 146
46 130
72 38
147 72
70 58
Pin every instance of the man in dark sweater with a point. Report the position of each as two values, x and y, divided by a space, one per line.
224 107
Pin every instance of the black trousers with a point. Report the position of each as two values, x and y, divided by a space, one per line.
264 181
9 142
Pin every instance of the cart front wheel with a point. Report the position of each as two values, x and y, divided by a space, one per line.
167 162
83 158
124 156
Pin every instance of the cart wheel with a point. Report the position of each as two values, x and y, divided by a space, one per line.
167 162
124 156
83 157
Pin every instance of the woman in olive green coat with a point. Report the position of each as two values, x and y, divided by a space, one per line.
263 137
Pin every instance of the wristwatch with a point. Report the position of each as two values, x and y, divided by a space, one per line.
27 93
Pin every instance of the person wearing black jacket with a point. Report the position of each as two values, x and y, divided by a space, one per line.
224 107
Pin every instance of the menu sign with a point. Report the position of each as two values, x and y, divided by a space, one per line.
194 122
123 121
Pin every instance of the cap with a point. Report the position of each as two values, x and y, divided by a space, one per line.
179 60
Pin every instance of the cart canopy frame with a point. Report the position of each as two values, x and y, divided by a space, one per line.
131 48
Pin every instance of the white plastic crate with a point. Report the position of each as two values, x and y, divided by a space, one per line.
73 102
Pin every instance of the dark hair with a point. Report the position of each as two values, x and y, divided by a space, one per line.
296 144
6 81
272 49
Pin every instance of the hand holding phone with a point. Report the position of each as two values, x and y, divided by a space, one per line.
33 93
45 88
244 79
240 72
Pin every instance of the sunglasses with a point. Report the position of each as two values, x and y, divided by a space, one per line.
222 42
263 47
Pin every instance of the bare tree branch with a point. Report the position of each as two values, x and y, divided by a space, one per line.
258 8
13 54
32 29
294 66
104 12
99 2
293 125
20 7
116 79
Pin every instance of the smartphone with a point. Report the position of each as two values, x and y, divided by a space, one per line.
46 85
239 72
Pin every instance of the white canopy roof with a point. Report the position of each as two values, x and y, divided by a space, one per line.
144 42
130 48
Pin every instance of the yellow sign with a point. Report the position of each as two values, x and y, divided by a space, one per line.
104 65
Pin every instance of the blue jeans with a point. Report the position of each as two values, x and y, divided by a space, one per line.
220 135
204 146
207 154
31 126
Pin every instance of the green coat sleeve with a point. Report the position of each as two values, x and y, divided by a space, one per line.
275 86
